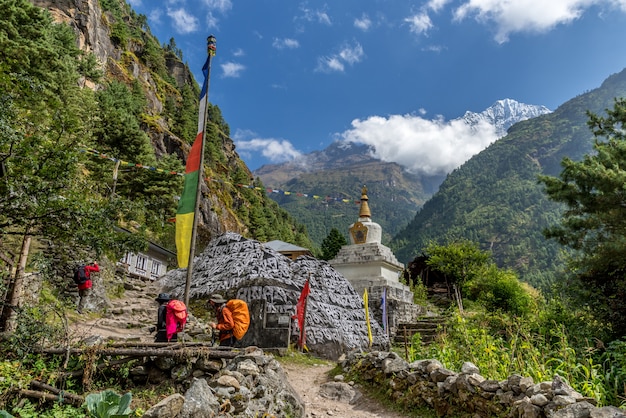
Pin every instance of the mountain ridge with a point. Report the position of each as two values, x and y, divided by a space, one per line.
502 115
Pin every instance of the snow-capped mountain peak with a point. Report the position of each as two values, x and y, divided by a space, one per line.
505 113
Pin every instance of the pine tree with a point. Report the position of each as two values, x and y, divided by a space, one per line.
332 244
594 221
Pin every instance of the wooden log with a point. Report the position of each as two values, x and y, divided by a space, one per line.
174 345
40 385
137 352
48 396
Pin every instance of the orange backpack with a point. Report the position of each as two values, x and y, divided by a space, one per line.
241 317
179 312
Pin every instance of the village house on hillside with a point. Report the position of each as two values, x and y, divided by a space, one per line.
150 264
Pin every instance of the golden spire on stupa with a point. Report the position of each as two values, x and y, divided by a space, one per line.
364 211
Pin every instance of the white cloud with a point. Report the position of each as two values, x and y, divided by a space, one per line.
155 16
434 48
232 69
285 43
421 145
323 18
238 52
352 54
535 16
419 23
316 16
183 21
135 3
211 21
221 6
348 54
437 5
329 64
363 23
275 150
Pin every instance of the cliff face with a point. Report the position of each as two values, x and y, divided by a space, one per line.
93 31
85 17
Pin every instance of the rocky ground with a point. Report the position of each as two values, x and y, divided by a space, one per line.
130 317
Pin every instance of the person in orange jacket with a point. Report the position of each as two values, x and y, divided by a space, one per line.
225 322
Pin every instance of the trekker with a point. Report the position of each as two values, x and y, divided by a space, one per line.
85 284
225 322
161 331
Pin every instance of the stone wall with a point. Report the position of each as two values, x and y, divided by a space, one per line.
426 383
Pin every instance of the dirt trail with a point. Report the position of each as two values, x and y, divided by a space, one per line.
307 381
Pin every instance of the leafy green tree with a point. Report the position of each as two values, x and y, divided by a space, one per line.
152 55
185 114
594 221
460 261
332 244
44 119
171 47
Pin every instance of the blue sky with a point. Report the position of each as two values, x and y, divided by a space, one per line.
292 76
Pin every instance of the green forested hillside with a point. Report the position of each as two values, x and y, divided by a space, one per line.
336 176
494 198
393 194
93 140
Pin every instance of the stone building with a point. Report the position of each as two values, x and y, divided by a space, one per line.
368 264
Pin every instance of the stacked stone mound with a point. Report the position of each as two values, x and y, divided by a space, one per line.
271 284
252 384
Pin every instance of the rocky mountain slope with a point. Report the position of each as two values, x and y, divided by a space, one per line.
505 113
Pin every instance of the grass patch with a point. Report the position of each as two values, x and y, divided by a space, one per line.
295 357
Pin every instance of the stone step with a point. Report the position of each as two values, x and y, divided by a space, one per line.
125 324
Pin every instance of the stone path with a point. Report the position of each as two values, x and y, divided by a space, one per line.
128 319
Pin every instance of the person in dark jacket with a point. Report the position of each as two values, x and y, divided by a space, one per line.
161 332
225 322
84 289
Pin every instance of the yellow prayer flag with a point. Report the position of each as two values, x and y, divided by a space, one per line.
367 317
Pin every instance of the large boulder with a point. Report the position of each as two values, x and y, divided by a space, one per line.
271 284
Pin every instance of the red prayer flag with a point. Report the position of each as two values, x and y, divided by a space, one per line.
301 311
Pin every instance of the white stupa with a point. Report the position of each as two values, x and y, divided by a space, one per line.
367 263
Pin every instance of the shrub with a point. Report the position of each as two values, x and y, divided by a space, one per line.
500 290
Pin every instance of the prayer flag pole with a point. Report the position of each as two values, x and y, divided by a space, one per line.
188 207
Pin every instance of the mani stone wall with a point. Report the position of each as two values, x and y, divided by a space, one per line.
427 384
271 284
